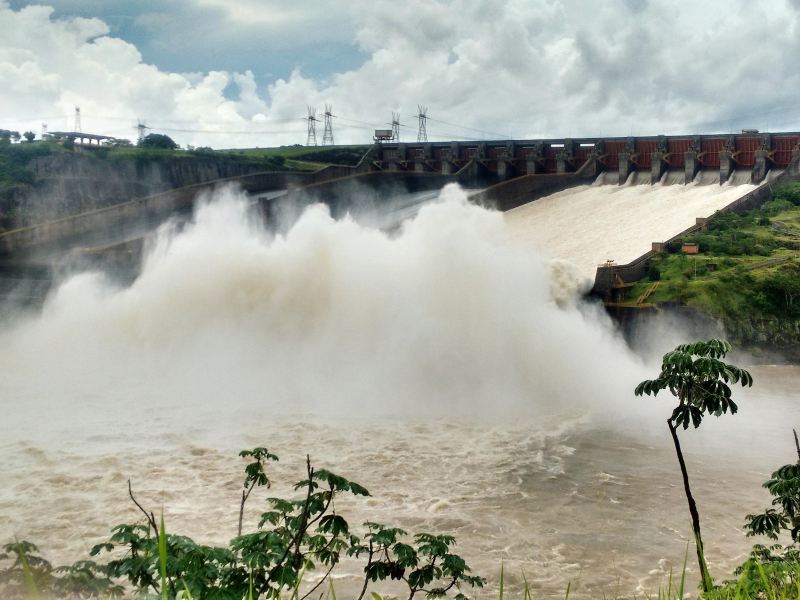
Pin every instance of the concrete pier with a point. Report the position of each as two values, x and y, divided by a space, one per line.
726 164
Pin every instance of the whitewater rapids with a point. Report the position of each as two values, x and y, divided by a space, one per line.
432 365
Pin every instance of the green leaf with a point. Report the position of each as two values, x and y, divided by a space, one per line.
333 524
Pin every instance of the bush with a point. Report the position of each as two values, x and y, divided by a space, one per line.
733 242
773 207
14 159
157 140
789 192
203 150
729 220
653 272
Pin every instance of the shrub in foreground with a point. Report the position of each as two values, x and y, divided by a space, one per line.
293 537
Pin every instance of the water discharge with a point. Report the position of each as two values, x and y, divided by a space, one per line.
431 364
591 224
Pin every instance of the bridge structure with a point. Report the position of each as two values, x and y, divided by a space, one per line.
83 139
649 156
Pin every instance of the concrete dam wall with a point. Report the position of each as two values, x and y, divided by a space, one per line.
495 170
70 183
649 157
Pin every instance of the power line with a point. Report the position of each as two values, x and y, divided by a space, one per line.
484 131
369 125
221 132
448 135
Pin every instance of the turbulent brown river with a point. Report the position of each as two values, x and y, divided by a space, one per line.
431 365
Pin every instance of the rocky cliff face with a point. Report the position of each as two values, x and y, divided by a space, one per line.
66 184
780 336
766 339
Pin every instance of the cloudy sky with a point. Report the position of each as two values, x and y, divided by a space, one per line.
240 73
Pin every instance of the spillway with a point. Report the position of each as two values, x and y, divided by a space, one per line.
590 224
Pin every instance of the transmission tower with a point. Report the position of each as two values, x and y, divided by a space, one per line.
327 135
311 140
44 130
77 119
140 127
422 132
395 126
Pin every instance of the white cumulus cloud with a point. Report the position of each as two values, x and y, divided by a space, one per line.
484 69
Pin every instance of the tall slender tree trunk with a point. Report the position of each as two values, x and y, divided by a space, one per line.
701 561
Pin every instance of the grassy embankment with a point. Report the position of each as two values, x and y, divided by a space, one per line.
748 266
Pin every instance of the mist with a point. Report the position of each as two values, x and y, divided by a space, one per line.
445 317
442 364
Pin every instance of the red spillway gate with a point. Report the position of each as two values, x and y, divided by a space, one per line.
644 150
676 150
612 151
782 149
746 150
709 152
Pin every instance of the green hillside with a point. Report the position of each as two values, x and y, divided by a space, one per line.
748 265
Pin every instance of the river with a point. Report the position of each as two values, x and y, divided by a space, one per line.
430 365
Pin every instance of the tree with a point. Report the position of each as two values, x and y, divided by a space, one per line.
695 375
784 486
157 140
6 135
29 136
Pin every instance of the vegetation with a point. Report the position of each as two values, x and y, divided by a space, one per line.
6 135
308 157
772 571
293 536
748 266
698 378
784 485
157 140
15 159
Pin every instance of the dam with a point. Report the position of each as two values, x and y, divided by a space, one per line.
393 180
389 325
